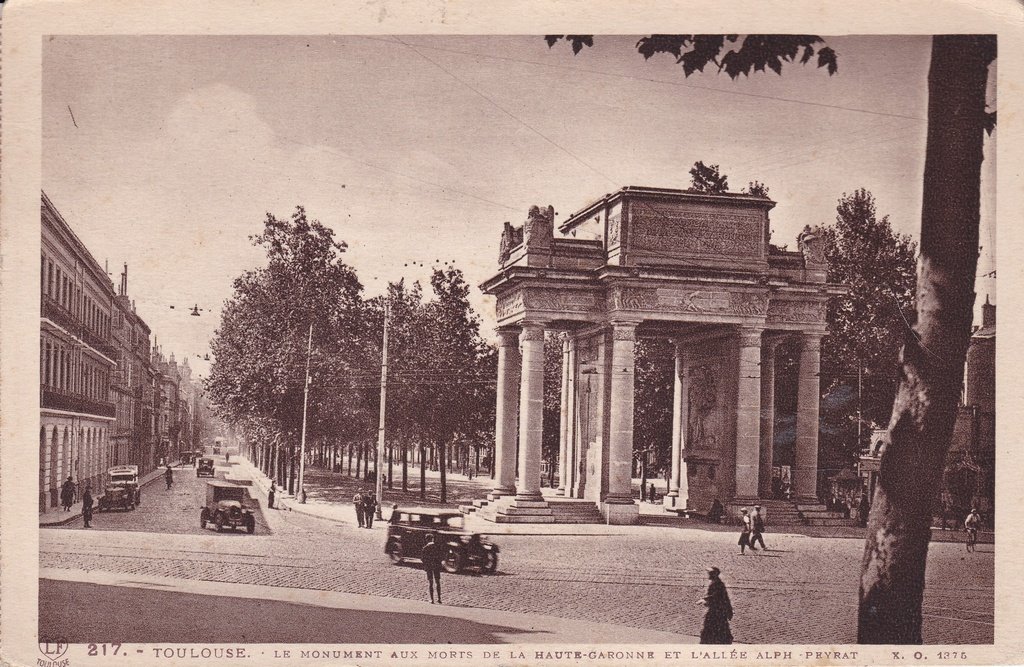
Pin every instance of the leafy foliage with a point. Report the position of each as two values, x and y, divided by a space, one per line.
733 54
867 326
706 178
757 188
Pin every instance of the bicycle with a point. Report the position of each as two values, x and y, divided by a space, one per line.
972 539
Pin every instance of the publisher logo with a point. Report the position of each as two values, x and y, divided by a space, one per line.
52 652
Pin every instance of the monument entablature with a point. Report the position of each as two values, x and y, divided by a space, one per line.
694 267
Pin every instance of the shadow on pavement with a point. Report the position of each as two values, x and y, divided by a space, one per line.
82 612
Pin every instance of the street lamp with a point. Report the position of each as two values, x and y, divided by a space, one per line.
383 413
305 403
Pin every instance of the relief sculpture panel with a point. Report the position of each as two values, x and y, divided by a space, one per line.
702 427
509 304
570 301
797 312
712 301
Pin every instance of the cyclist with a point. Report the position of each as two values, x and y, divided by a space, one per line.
971 523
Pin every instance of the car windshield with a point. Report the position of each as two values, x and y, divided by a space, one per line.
122 480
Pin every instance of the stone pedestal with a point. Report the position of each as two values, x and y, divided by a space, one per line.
620 513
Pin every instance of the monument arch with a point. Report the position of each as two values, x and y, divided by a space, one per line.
696 268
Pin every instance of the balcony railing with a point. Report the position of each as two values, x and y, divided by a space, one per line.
59 400
57 313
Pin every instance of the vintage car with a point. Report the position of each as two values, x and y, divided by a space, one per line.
122 490
408 530
227 506
204 468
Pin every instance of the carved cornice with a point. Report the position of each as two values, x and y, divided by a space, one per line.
812 312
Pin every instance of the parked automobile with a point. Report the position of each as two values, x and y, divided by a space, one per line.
205 468
227 506
122 490
408 530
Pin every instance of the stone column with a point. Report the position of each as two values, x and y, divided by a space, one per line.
748 413
563 430
619 506
764 477
531 411
569 475
678 491
505 423
806 474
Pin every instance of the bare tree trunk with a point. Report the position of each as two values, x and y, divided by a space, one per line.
442 450
423 473
932 363
405 466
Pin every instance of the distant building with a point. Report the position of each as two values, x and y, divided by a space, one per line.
970 465
77 359
133 384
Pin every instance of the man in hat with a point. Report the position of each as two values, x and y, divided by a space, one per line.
87 505
971 524
357 500
758 529
745 532
67 494
716 618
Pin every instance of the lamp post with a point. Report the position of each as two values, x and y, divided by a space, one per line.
383 413
305 403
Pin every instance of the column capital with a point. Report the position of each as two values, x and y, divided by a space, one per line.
750 336
507 336
532 331
624 330
810 342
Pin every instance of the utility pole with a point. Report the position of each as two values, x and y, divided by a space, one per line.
305 402
383 400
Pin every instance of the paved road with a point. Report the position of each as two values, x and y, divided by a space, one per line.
163 510
802 592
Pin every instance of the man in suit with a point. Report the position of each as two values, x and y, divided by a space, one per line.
758 529
357 500
432 555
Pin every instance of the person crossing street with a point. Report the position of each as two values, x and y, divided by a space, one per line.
168 476
758 529
432 556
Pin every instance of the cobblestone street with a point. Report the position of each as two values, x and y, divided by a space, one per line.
803 591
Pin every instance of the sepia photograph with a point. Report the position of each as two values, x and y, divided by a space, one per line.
398 347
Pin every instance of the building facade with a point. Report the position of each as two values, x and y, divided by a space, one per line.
77 363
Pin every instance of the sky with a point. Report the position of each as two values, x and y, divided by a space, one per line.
167 152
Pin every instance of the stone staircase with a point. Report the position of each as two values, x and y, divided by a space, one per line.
563 510
817 515
780 513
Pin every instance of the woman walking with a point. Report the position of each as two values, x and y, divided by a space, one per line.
745 533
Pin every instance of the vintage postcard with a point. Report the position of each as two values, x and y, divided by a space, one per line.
397 333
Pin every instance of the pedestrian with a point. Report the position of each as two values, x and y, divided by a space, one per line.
67 494
758 529
650 496
87 505
716 512
270 495
357 500
745 533
971 524
716 618
395 516
369 507
168 476
432 555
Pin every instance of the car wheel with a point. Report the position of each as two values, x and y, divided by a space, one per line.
453 561
490 565
203 518
395 553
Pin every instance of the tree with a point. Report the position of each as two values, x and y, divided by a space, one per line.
931 363
866 327
652 420
706 178
757 188
259 349
932 360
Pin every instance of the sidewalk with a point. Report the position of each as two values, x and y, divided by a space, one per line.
510 627
652 517
58 517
